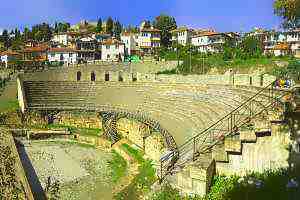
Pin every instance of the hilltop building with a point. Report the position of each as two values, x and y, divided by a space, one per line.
113 50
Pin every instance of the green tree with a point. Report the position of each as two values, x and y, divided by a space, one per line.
166 24
117 29
99 26
289 10
5 39
251 47
109 26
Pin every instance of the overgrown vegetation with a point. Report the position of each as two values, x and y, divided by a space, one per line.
9 105
143 181
118 166
259 186
245 57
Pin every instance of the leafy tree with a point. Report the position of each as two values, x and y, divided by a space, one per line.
251 47
117 29
289 10
5 38
109 26
166 24
99 26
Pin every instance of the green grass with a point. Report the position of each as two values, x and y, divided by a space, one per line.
9 105
73 129
118 166
143 181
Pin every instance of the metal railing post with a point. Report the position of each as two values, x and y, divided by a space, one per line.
194 148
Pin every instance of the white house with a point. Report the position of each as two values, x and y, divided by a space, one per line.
182 35
64 38
149 39
293 39
9 56
209 41
271 39
65 55
112 50
131 43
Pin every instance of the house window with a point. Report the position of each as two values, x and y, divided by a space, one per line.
52 54
78 76
108 56
70 54
61 57
93 76
107 47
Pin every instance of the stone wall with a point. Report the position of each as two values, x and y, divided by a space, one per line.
196 178
133 131
155 147
80 120
70 74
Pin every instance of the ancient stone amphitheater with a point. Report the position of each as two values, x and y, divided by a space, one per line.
192 113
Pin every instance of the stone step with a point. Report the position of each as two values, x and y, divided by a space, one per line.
233 145
219 153
247 136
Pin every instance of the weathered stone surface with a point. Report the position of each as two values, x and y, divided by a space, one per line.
219 153
248 136
154 146
133 131
261 125
233 145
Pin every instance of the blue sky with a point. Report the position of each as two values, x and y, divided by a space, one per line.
222 15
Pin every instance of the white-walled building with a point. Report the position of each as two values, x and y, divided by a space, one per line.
64 39
112 50
209 41
182 35
65 55
149 39
131 43
293 39
9 56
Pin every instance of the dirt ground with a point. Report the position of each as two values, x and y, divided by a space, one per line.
82 171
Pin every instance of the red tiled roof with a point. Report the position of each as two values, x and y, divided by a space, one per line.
111 42
36 49
61 50
207 33
150 30
282 46
9 53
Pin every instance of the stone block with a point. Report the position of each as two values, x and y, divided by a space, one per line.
198 173
248 136
199 187
184 181
233 145
219 154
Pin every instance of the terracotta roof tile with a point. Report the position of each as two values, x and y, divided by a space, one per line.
9 53
61 50
111 42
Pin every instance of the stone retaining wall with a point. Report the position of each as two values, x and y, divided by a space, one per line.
20 173
81 120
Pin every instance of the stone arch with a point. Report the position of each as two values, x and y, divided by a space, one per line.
93 76
78 74
120 77
106 76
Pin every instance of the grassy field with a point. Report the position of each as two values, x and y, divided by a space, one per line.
8 105
143 181
118 167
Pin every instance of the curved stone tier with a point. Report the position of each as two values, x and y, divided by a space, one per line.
184 110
